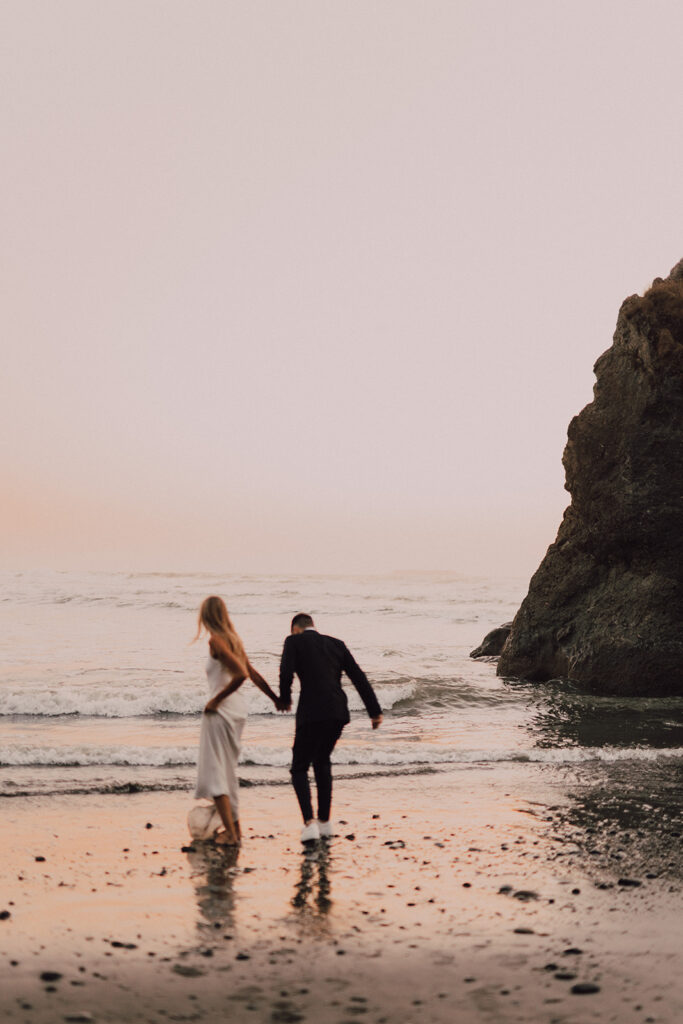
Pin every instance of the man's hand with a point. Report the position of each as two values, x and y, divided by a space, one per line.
282 705
376 722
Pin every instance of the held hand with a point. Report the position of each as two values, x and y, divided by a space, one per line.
211 708
282 705
376 722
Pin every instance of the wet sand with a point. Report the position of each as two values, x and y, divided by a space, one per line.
518 893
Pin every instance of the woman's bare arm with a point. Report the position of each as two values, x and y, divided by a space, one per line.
258 680
221 652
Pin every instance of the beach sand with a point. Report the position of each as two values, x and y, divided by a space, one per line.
464 895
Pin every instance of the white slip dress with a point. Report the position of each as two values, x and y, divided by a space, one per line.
219 740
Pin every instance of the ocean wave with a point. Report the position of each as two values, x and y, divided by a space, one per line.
145 702
348 755
89 786
82 757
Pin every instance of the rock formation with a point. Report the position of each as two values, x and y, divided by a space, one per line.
605 607
493 643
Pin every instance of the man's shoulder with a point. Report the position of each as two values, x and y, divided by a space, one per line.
333 640
312 639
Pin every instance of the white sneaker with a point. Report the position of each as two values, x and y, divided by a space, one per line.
310 832
325 829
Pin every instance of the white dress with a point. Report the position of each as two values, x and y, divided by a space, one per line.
219 740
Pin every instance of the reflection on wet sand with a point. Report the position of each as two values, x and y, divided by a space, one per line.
213 875
623 819
312 891
564 716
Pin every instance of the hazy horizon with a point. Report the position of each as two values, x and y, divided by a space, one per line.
318 287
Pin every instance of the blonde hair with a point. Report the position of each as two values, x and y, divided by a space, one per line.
214 617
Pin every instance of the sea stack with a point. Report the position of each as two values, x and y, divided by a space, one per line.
605 607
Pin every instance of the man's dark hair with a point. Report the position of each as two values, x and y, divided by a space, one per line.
302 620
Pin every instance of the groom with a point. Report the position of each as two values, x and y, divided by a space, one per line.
321 714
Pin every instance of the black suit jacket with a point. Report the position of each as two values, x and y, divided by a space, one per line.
319 662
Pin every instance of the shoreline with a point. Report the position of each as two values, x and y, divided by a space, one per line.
442 896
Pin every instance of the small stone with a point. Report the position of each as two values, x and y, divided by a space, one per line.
50 976
242 956
40 858
525 895
149 825
584 988
188 849
572 951
630 882
82 1017
187 971
565 975
4 915
504 889
523 931
550 967
351 836
576 892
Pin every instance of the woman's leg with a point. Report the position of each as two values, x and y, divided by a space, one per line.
232 828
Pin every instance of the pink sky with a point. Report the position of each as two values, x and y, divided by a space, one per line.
315 286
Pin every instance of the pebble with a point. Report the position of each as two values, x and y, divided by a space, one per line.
50 976
523 931
351 836
187 971
584 988
83 1017
40 858
629 882
526 894
4 914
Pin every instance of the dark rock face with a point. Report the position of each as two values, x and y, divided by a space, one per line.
605 607
493 642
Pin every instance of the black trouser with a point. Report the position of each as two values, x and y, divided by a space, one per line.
313 744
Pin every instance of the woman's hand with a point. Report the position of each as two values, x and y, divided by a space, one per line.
211 708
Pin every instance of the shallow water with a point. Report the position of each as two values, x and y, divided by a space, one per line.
100 688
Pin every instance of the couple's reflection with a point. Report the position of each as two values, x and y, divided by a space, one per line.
215 868
312 897
213 875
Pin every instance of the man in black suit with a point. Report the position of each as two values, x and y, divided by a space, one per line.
321 714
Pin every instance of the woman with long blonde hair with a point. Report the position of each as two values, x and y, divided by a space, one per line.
224 716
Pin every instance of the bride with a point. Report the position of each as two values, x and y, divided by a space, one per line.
224 716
